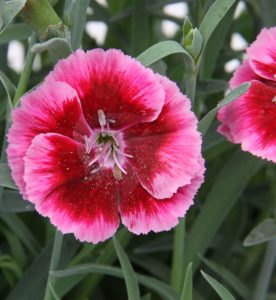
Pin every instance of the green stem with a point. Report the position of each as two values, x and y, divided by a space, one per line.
53 264
40 15
266 272
25 75
177 274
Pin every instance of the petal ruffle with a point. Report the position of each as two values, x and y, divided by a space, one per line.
60 184
141 213
250 120
49 108
243 74
262 54
126 91
166 152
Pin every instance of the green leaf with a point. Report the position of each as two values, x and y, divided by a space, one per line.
11 9
187 290
218 287
164 290
5 177
161 50
12 202
264 232
229 277
207 120
78 22
129 275
225 192
213 17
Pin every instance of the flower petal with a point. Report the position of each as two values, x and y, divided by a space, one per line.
115 83
262 54
166 151
250 120
49 108
60 184
141 213
243 74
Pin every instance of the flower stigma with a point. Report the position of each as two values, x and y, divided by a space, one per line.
107 148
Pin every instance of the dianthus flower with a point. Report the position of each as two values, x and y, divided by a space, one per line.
104 136
250 120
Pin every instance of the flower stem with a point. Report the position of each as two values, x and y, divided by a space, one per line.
40 15
53 264
25 75
177 274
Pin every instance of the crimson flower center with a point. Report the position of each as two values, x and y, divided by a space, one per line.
107 148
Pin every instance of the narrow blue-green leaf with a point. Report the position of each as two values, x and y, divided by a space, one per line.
207 120
11 9
187 290
54 295
79 18
9 87
32 284
162 243
153 265
177 274
164 290
12 202
210 86
225 192
140 27
18 31
129 275
16 247
213 17
215 44
264 232
268 12
265 275
22 232
229 277
161 50
5 177
146 297
218 287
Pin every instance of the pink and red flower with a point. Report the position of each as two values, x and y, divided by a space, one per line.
103 136
250 120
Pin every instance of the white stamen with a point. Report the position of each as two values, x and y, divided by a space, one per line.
274 76
93 161
96 170
274 99
123 153
117 163
107 151
102 119
88 145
